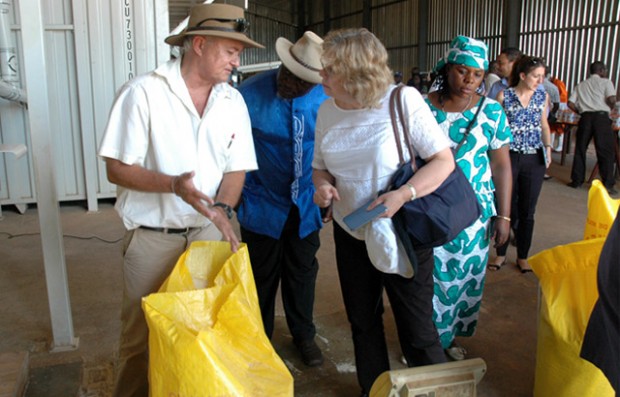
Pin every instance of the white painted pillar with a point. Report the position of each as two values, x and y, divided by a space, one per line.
44 173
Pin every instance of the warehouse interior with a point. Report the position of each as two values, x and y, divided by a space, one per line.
60 237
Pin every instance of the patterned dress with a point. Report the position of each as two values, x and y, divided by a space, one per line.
460 265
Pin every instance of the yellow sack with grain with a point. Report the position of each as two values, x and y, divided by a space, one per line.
567 276
602 211
206 335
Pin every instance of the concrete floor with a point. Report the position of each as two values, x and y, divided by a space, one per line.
506 336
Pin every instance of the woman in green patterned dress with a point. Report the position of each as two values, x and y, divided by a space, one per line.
460 265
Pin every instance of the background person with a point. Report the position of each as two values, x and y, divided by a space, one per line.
492 76
530 152
279 222
353 127
177 144
505 62
552 107
460 265
593 99
557 129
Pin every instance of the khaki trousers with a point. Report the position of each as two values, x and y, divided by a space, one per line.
149 257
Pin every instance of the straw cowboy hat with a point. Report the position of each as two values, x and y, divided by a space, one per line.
220 20
303 58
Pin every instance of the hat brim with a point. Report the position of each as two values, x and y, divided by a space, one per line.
283 49
177 39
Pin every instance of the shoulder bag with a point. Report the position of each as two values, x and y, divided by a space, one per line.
437 218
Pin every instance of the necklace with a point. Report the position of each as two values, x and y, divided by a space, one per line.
441 102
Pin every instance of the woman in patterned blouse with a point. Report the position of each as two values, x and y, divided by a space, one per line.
525 103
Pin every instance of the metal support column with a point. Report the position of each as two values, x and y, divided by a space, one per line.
512 18
327 16
367 14
44 173
422 34
299 10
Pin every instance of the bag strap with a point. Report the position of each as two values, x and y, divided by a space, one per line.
393 106
470 125
396 106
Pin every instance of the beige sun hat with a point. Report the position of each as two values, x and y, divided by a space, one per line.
303 58
220 20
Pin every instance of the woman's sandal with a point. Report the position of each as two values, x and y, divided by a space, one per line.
524 269
456 352
495 266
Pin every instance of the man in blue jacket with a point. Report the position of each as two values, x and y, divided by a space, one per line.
279 221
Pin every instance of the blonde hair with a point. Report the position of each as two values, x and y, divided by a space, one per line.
359 60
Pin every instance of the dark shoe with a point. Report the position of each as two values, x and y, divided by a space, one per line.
574 185
612 191
547 177
310 353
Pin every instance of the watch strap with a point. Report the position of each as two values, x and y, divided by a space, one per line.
227 208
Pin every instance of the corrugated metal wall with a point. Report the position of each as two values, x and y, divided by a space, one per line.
267 23
571 34
479 18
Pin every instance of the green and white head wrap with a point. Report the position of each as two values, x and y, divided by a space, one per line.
465 51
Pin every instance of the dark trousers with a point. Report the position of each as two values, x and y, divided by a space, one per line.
290 261
412 305
528 172
597 125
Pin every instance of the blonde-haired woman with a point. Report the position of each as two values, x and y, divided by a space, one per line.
355 155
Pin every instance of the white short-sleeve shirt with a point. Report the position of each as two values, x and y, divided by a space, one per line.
590 95
154 123
358 148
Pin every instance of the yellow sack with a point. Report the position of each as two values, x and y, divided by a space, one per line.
209 263
602 211
210 341
567 276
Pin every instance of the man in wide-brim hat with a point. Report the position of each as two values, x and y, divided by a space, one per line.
178 143
279 222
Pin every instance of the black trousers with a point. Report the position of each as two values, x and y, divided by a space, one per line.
291 262
412 305
597 125
528 172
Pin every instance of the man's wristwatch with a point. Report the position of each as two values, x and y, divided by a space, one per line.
227 209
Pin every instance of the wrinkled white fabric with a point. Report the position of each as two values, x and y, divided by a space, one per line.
385 250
